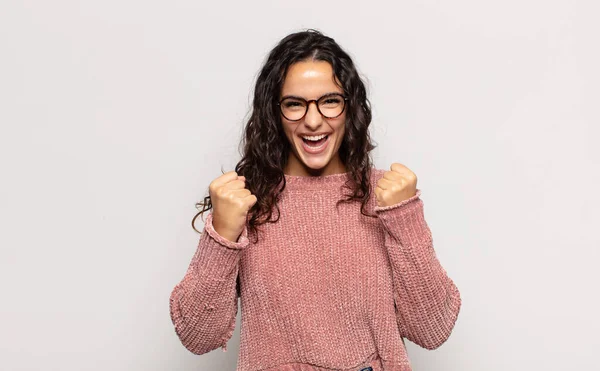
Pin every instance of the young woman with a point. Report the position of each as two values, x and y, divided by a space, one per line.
331 258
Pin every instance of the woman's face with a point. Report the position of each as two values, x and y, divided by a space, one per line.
312 80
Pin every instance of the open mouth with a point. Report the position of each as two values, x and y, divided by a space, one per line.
315 143
315 146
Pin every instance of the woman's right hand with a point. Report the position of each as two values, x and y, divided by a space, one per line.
231 202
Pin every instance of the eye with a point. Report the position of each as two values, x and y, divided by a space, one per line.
331 102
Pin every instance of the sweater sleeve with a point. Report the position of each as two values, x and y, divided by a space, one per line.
427 300
203 305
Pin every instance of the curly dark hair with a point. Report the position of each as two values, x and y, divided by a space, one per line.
266 149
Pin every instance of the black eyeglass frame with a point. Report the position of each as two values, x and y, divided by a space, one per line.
308 102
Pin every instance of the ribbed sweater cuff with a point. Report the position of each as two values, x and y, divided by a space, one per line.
405 222
241 243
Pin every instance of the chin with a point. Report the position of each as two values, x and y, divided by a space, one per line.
316 164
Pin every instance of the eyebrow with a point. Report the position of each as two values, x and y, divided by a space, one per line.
298 97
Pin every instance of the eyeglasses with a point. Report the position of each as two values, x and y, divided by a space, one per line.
330 106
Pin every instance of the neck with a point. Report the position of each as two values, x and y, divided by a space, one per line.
294 167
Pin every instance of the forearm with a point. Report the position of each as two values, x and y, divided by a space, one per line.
427 300
203 305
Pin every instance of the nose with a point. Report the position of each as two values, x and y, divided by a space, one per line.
313 117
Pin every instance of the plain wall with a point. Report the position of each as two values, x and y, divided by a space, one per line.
116 115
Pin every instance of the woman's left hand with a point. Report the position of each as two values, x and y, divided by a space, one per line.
396 185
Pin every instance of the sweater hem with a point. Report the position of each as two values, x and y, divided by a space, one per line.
374 361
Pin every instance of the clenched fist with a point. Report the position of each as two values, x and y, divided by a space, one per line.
396 185
231 202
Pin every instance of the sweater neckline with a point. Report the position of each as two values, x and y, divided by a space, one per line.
316 182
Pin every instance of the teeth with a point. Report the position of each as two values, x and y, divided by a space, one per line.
315 138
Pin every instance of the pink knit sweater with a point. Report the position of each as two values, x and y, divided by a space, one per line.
323 289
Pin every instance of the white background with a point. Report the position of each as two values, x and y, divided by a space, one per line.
116 115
